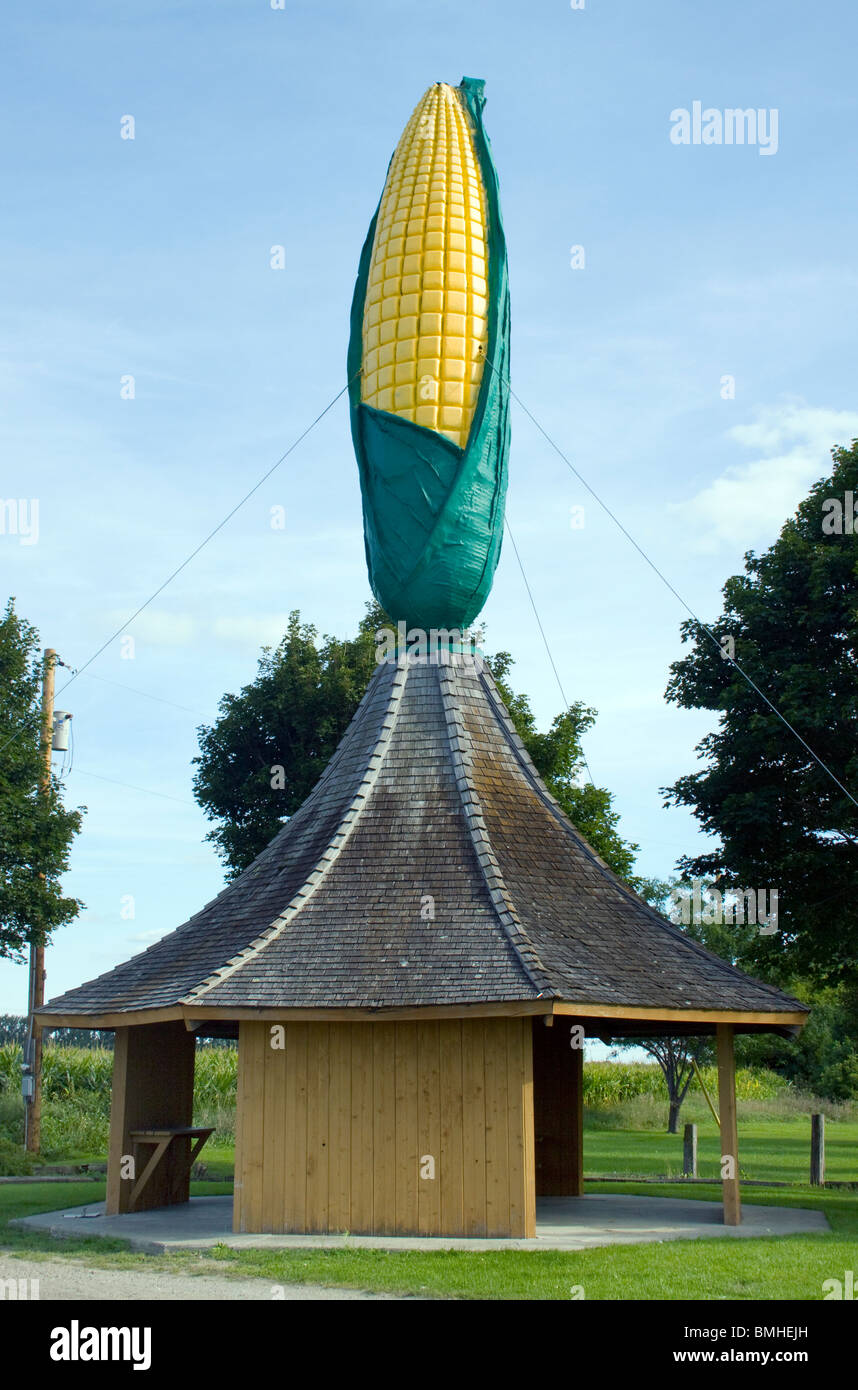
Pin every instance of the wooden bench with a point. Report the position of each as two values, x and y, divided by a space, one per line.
162 1139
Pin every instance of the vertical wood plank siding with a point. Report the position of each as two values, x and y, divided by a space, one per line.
336 1127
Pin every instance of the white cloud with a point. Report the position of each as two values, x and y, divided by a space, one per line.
750 502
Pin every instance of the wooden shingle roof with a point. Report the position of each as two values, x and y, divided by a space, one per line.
429 867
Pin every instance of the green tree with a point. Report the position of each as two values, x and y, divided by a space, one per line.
272 741
558 758
823 1059
36 831
792 622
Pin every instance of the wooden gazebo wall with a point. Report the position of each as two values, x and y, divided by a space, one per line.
440 1127
336 1128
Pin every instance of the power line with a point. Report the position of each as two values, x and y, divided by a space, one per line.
133 688
653 566
703 626
189 558
544 638
80 772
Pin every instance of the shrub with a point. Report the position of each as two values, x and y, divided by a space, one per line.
11 1117
15 1162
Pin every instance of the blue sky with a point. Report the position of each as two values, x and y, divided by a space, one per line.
151 258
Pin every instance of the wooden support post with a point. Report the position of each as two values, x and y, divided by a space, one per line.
817 1150
153 1088
578 1121
689 1152
729 1127
558 1107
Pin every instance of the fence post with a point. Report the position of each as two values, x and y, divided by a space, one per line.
817 1150
689 1152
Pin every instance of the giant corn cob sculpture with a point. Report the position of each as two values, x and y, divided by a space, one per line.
428 368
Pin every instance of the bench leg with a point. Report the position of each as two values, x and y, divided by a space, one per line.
159 1151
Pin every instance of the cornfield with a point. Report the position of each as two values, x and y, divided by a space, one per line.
70 1072
609 1084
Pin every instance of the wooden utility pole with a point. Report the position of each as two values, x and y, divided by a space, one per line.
37 952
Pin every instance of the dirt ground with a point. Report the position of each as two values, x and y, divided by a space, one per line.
69 1280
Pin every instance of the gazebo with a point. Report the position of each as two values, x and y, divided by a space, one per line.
411 965
408 968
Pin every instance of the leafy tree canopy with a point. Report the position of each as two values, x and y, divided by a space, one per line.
36 831
792 619
823 1059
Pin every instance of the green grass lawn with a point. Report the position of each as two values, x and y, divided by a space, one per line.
219 1163
772 1148
786 1267
624 1136
769 1150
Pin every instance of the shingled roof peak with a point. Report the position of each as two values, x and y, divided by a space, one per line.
430 866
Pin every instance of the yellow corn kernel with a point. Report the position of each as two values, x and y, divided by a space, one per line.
426 308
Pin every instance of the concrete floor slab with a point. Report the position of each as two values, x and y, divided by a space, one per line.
562 1223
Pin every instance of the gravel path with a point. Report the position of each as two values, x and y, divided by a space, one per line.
73 1281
